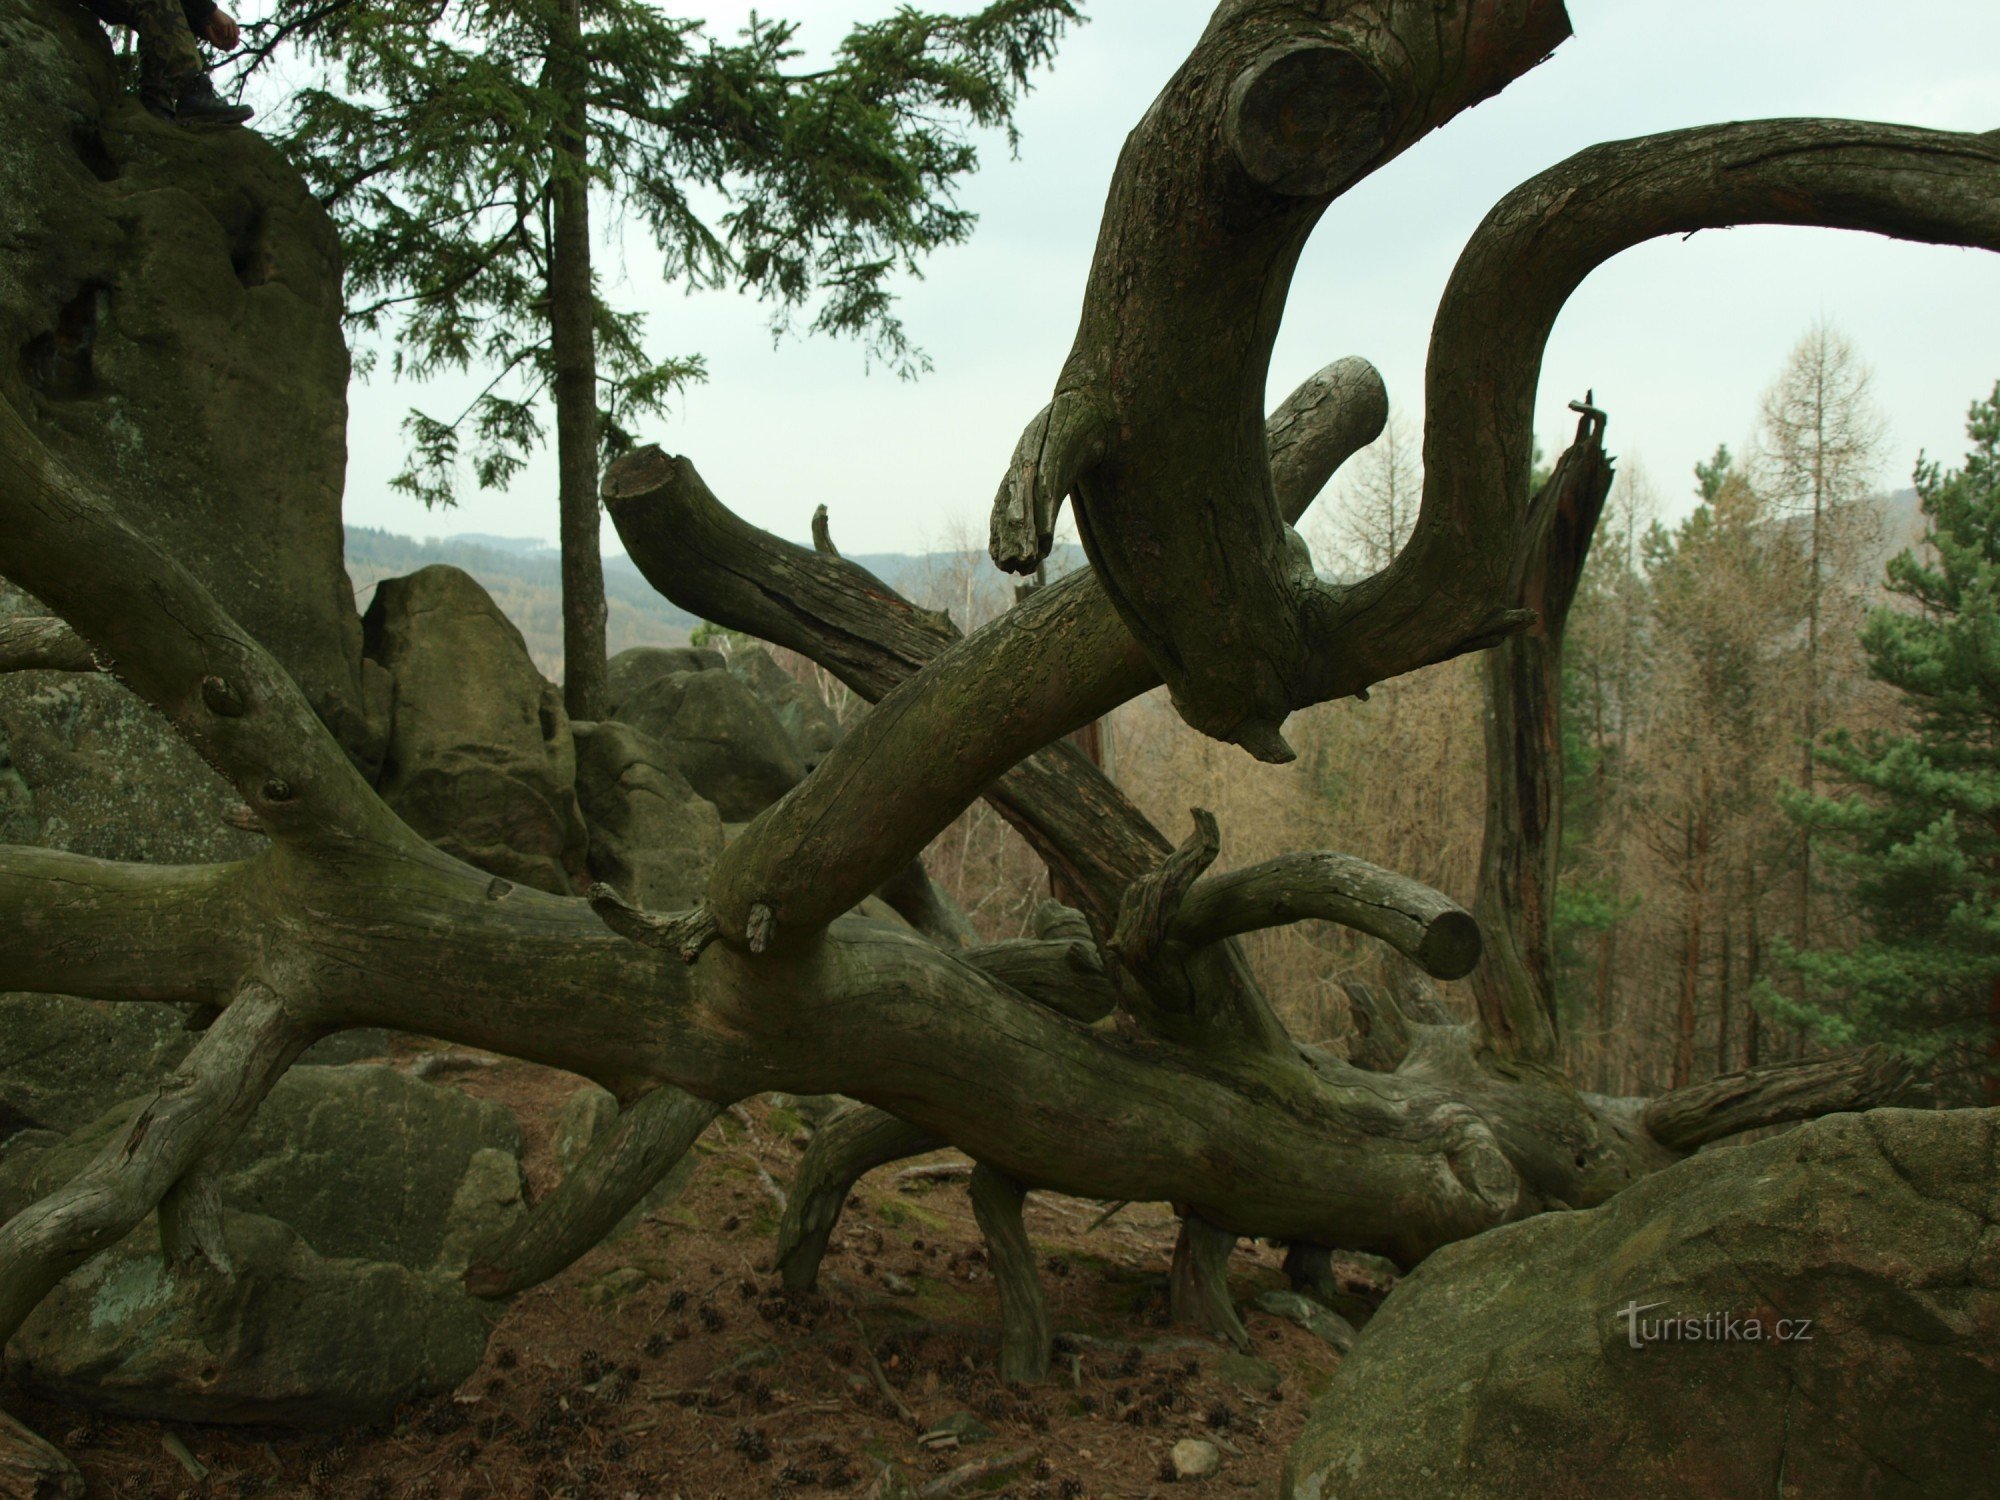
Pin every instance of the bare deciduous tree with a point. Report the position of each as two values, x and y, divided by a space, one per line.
1194 1093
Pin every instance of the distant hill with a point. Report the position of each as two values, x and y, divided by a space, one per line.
523 574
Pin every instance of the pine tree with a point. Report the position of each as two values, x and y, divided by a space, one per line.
1915 839
461 147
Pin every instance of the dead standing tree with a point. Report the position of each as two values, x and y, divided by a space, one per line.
1194 1093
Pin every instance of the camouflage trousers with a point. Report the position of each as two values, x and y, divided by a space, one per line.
168 56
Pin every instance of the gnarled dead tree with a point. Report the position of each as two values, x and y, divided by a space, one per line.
1130 1054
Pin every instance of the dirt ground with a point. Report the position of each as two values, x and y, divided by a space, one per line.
668 1363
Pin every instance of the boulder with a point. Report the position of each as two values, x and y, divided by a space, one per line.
362 1161
652 837
479 757
811 724
170 310
64 1061
99 772
721 736
631 670
1813 1314
292 1338
1321 1322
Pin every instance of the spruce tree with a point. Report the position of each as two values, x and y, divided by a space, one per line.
1914 838
462 147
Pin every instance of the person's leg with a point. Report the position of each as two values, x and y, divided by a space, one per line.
168 56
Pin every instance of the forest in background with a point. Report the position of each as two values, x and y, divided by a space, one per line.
1705 656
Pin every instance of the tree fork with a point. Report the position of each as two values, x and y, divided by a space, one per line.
1278 109
696 552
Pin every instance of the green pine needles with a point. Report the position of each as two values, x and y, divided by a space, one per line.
436 134
1914 839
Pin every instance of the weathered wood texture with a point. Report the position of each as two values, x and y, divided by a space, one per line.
1025 1342
38 644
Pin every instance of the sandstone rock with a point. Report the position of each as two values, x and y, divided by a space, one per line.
367 1161
1506 1365
103 774
20 1154
65 1061
363 1161
292 1338
811 724
1195 1458
1319 1321
170 320
721 736
488 1199
632 669
652 837
479 758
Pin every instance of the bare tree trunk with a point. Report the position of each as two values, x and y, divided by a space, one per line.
573 352
1692 939
1753 1022
1724 992
1514 983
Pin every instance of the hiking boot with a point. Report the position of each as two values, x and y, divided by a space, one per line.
200 105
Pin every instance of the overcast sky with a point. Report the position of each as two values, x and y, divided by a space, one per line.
1678 337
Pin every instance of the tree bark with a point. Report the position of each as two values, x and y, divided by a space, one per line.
573 355
1514 985
1025 1345
37 644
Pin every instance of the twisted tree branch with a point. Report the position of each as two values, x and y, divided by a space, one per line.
171 643
643 1144
1424 925
40 644
694 551
1776 1095
194 1114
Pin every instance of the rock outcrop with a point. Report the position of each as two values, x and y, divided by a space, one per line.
289 1337
652 837
807 720
363 1161
1814 1314
722 737
170 327
64 1061
352 1203
479 758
